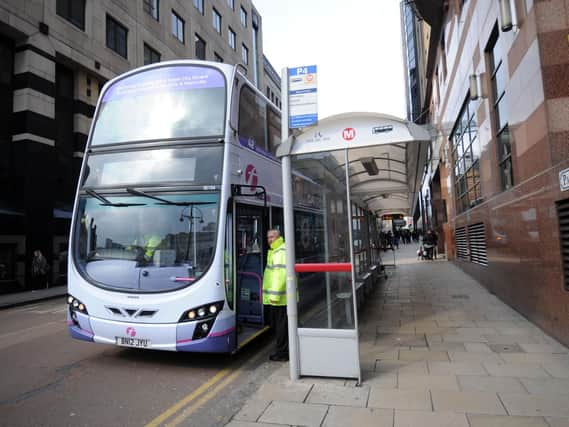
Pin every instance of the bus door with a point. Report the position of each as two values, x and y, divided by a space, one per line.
250 251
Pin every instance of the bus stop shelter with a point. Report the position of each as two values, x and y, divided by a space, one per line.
348 160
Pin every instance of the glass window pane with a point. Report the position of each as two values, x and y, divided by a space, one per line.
252 120
507 174
504 145
146 236
501 113
162 112
468 158
501 80
475 149
459 147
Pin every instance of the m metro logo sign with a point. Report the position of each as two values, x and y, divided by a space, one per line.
348 134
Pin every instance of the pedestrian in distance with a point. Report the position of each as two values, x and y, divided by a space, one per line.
429 244
274 293
40 269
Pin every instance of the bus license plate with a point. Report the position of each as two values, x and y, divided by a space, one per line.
132 342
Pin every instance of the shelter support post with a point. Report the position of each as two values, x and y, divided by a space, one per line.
288 203
327 259
291 308
353 275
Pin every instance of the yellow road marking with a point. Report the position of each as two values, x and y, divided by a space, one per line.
208 396
186 400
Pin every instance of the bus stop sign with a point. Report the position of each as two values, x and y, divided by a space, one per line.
303 108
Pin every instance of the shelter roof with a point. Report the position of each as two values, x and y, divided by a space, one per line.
387 156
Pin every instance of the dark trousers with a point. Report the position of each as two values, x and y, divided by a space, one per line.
278 321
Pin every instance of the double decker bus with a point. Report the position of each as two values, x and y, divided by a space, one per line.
178 187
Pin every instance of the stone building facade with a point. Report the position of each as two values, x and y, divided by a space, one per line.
499 100
55 56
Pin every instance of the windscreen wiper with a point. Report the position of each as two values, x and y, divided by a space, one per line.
161 200
106 202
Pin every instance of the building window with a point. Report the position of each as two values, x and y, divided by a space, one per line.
232 38
216 21
498 80
245 54
252 118
178 26
231 4
200 47
116 37
73 11
150 55
198 4
243 15
466 158
151 7
217 57
268 92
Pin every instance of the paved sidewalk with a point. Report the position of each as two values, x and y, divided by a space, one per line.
20 298
437 350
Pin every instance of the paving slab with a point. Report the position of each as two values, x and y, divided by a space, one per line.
536 404
463 338
417 355
342 416
456 323
490 384
468 402
329 394
556 369
379 379
477 347
427 382
429 419
469 356
288 392
396 366
535 358
519 370
505 421
557 422
297 414
546 386
400 399
250 424
544 348
456 368
252 410
447 346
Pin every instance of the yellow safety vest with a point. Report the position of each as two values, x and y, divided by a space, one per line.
149 243
274 277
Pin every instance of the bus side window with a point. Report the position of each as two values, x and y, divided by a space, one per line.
252 118
273 129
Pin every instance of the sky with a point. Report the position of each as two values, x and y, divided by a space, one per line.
355 44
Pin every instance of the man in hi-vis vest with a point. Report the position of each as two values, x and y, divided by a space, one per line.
274 293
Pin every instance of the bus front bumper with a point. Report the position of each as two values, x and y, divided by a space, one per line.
168 336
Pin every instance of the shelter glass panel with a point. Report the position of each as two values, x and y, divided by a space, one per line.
321 221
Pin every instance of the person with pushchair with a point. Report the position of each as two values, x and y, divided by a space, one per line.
429 242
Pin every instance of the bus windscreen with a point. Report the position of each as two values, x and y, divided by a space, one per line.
163 103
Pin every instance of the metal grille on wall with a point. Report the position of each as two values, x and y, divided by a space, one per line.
477 244
563 215
460 244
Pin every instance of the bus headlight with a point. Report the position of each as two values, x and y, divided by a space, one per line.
76 305
203 312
